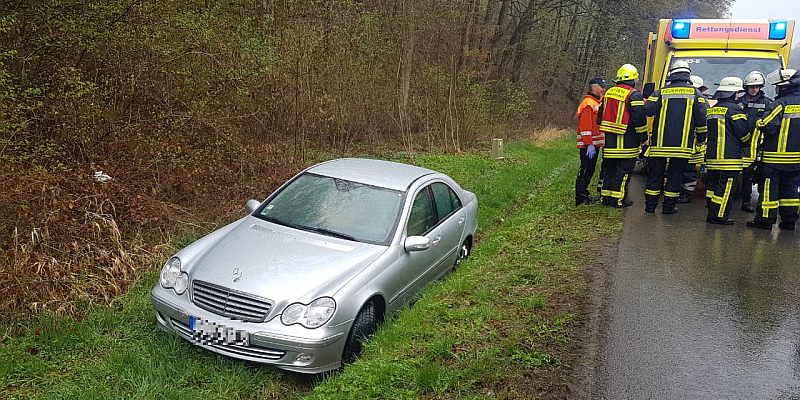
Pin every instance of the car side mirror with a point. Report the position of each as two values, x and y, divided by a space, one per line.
417 243
648 89
252 205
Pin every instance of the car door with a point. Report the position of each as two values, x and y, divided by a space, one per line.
417 265
452 217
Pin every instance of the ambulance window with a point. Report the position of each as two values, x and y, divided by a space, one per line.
713 69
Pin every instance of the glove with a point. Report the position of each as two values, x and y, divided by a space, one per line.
590 151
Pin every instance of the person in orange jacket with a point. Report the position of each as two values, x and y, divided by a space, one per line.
589 139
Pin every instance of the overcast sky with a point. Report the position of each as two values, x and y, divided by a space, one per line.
769 9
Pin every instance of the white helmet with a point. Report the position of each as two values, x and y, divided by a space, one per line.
730 84
754 78
697 81
679 66
780 77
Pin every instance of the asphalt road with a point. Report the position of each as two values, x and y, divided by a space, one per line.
699 311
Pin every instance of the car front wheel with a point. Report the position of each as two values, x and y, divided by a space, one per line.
364 326
463 253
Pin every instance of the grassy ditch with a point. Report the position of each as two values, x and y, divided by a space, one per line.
499 327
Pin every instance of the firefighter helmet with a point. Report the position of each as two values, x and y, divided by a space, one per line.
697 82
754 78
679 66
780 77
627 72
730 84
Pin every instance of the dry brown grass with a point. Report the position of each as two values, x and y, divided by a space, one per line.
72 241
549 133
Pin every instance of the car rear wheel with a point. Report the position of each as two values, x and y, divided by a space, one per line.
463 253
365 324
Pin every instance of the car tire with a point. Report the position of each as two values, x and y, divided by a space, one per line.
463 253
365 324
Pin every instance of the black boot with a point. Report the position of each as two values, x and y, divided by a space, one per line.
759 224
668 209
720 221
686 196
789 226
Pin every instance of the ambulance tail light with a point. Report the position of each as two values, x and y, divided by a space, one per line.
681 29
777 30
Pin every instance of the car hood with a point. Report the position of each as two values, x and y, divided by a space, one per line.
280 263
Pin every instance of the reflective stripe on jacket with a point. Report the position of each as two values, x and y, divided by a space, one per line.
680 111
755 110
781 131
698 154
588 130
728 130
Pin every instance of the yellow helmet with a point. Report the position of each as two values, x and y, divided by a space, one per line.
627 72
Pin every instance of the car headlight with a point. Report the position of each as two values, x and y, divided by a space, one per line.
172 277
313 315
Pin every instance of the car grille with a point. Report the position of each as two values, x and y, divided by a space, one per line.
254 351
230 303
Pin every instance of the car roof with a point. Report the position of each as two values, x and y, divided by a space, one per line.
381 173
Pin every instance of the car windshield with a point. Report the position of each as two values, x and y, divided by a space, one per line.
713 69
335 207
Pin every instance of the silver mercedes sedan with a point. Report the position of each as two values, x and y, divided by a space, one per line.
310 272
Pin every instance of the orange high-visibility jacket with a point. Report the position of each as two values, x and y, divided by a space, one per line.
588 130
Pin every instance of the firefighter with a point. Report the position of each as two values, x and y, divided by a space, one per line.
589 139
754 103
690 175
680 110
728 131
622 120
780 162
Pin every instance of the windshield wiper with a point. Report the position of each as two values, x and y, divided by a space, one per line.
284 223
329 232
317 229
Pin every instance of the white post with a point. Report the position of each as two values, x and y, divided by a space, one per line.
497 149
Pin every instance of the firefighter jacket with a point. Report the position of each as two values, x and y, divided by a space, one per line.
728 131
754 109
781 129
588 130
621 118
680 111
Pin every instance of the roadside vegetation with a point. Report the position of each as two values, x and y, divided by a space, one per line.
501 326
191 105
194 106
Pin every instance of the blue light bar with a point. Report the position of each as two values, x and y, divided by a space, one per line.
681 29
777 30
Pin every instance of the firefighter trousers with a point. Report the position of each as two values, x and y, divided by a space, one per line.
777 193
720 193
656 167
616 179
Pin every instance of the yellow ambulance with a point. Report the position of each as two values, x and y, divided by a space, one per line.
716 48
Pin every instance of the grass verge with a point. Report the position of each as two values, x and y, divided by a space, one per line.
500 326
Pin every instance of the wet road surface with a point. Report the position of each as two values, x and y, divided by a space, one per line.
699 311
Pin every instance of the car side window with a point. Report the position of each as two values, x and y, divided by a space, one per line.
421 218
447 200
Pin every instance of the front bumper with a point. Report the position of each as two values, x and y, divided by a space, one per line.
271 342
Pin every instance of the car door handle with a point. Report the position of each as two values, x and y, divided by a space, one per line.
461 220
436 240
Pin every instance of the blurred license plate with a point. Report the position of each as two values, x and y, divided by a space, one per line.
207 332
